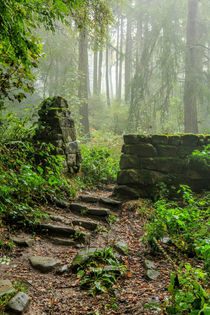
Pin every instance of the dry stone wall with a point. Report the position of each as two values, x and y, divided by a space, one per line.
147 161
56 126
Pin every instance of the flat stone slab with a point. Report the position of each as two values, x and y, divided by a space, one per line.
152 274
62 203
56 229
19 303
99 212
86 224
6 287
148 264
44 264
83 255
111 202
22 241
78 207
121 247
62 241
89 199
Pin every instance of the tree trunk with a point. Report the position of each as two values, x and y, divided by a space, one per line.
107 76
121 60
117 61
83 84
190 88
95 72
128 58
100 71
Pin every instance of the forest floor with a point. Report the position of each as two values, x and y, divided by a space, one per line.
53 293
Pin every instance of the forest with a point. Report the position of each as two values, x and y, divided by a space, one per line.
104 157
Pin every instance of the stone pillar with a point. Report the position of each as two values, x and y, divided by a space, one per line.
56 126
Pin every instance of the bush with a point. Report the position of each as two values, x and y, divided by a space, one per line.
99 165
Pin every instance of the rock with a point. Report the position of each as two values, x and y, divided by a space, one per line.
19 302
99 212
62 203
166 240
92 226
121 248
22 241
65 231
112 269
135 139
142 150
56 218
62 241
111 202
6 287
89 199
128 161
83 255
77 207
190 140
62 269
152 274
44 264
159 139
126 192
148 264
167 150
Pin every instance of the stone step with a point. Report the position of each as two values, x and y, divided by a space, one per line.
92 226
62 241
104 201
64 231
84 210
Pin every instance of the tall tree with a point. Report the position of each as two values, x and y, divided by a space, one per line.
190 89
83 82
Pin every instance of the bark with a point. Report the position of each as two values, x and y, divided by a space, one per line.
83 84
190 89
107 77
100 71
128 58
121 60
117 61
95 72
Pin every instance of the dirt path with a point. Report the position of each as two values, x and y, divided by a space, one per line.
54 293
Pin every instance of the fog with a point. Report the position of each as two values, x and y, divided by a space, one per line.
150 74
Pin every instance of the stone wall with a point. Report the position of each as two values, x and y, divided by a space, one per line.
149 160
56 126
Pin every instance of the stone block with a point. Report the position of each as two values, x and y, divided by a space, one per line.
19 303
129 161
163 164
71 147
159 139
142 150
207 140
166 150
136 139
127 177
126 192
184 150
190 140
71 160
174 140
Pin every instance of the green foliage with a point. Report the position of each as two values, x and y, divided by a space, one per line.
187 295
186 222
99 165
202 156
29 174
18 286
100 272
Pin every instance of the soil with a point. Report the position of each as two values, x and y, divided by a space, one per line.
61 294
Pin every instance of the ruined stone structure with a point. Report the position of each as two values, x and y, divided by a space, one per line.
56 126
148 160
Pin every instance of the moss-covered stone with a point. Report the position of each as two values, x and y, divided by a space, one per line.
166 150
174 140
129 161
142 150
128 177
184 150
159 139
136 139
126 192
163 164
190 139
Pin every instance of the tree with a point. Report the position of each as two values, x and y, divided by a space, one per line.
190 90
